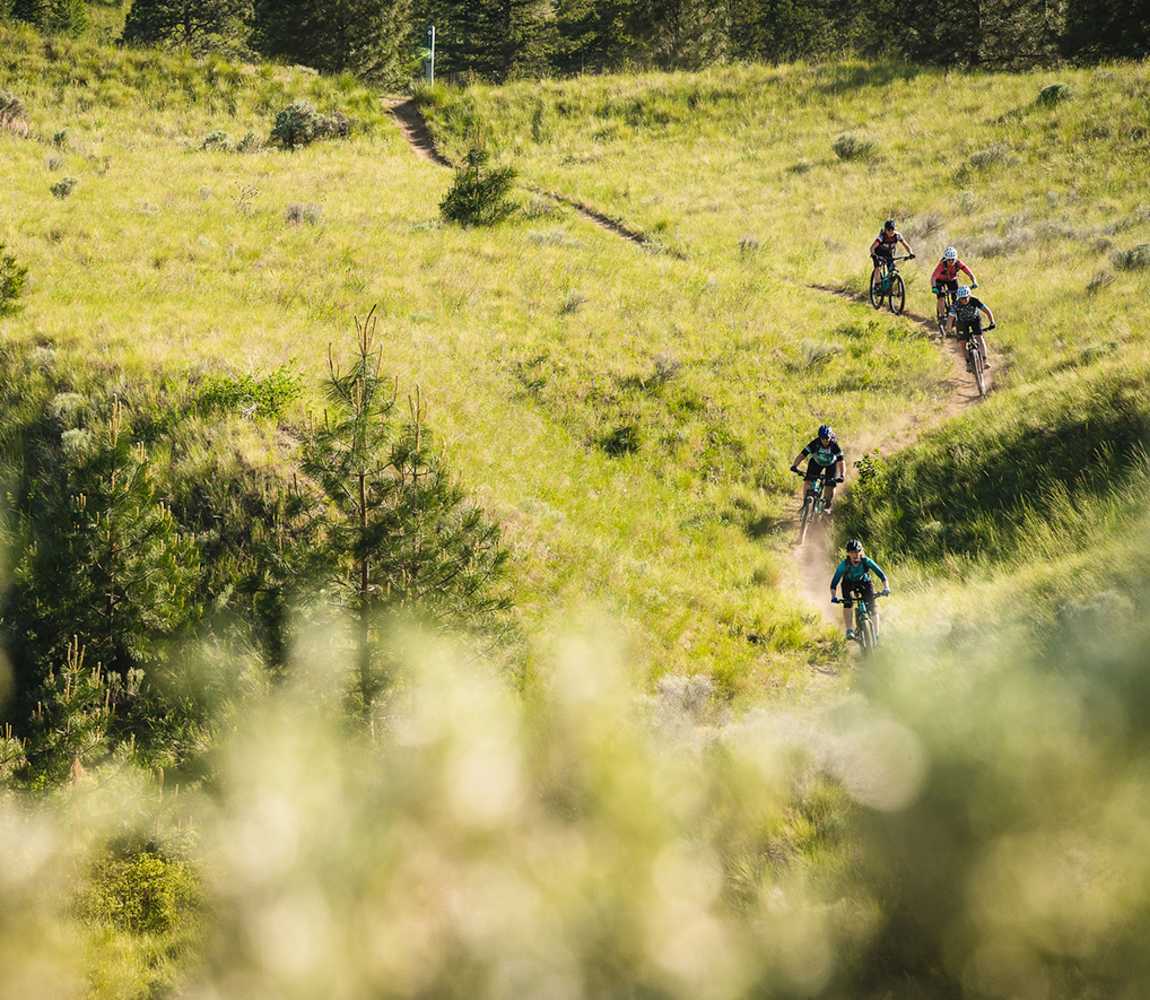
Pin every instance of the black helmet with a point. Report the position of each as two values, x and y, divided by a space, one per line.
889 224
854 545
825 431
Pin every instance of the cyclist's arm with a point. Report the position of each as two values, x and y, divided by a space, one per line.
878 569
905 244
936 274
875 245
798 458
839 571
969 272
989 315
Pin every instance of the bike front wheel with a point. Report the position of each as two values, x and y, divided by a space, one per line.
979 371
804 520
897 298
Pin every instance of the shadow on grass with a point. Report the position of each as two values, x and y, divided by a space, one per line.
854 76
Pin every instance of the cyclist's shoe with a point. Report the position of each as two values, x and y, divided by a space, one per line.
850 635
826 508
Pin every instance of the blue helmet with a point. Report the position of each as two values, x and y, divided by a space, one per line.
826 432
854 545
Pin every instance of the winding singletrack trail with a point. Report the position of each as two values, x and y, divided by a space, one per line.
414 128
809 566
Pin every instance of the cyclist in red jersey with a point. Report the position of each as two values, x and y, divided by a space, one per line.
946 276
883 247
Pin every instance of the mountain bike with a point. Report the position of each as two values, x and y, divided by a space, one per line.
976 353
890 286
866 635
814 505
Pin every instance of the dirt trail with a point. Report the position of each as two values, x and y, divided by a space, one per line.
810 566
415 130
419 136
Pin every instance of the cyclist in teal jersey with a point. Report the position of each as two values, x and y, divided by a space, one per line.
854 573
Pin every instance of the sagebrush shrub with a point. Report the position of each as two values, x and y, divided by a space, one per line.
300 124
64 187
479 195
298 214
852 147
1133 259
1054 93
217 140
12 280
13 118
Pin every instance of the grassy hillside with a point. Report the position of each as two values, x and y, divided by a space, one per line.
678 807
628 417
1044 198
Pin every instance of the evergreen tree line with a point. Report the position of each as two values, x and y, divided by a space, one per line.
383 40
131 560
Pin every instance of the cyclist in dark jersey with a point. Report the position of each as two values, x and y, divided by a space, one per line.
825 459
883 248
854 573
964 315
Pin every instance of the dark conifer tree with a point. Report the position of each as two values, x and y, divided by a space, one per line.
1102 29
63 17
191 23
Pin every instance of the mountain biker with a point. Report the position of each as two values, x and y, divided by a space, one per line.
883 247
945 276
826 459
854 572
964 315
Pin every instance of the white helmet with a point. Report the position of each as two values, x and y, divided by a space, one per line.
950 254
963 292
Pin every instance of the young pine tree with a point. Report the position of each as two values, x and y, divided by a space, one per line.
195 24
57 17
402 539
104 558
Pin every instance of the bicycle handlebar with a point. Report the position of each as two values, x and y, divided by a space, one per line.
881 593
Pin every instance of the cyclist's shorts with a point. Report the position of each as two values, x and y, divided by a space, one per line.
970 327
940 286
883 253
864 589
814 470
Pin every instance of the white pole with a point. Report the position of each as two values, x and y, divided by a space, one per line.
431 32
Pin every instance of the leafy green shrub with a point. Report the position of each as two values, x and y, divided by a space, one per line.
250 143
851 147
64 187
12 280
265 397
60 138
1054 93
144 893
1133 259
300 124
12 115
479 195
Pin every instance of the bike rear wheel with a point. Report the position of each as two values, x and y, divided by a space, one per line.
897 298
876 292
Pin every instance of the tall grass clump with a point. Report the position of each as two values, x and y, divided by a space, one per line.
479 194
